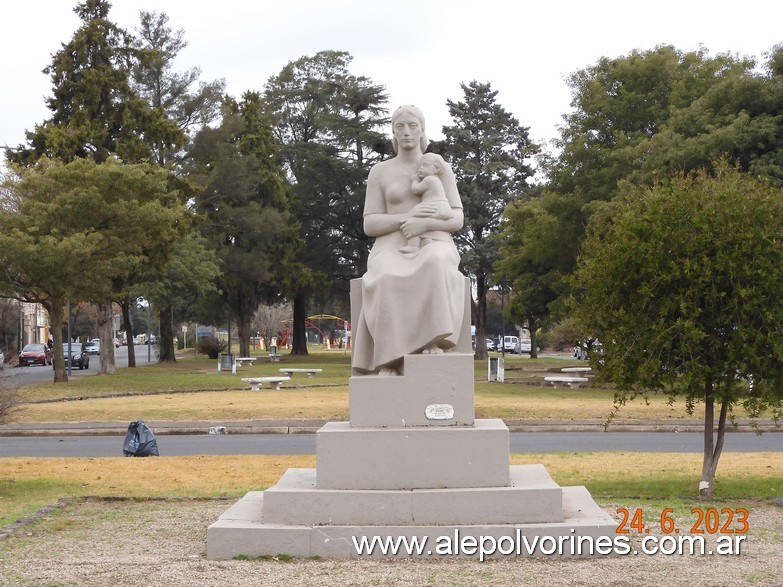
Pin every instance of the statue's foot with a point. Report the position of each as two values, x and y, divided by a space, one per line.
433 349
387 372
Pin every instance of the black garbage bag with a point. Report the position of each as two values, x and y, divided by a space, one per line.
140 441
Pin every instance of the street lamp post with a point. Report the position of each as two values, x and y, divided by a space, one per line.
502 321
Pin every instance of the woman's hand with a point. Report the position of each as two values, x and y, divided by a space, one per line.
414 226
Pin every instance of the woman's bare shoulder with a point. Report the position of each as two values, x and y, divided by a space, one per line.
383 167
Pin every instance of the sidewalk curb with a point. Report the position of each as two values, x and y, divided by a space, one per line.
312 426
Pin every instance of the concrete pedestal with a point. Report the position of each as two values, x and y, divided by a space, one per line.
412 458
432 392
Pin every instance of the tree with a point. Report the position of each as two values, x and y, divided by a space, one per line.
644 117
488 149
530 265
682 284
328 123
269 319
95 112
191 108
58 218
172 93
191 271
10 311
246 203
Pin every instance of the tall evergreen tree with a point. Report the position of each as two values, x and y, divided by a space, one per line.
191 105
95 111
246 202
489 151
329 123
180 96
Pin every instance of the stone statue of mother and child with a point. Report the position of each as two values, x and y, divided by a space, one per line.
412 424
413 295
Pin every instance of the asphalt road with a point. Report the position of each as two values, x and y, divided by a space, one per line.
46 373
293 444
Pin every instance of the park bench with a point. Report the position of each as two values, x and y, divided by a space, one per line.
576 369
240 360
569 381
275 358
310 372
257 382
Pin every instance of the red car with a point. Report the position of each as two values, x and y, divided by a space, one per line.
35 354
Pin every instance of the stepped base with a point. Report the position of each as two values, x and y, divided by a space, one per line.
531 496
241 530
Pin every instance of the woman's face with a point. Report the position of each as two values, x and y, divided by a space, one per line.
407 130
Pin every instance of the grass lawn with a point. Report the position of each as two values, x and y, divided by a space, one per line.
192 389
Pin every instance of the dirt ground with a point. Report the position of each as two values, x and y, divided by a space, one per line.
163 543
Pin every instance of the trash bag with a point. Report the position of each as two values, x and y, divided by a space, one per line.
140 441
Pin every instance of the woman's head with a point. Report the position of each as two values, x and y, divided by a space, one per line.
409 111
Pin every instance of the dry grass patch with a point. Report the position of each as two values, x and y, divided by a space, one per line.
196 476
319 403
528 402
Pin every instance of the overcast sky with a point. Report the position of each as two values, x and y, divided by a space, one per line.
419 50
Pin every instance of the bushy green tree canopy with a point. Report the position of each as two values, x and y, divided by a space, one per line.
246 206
70 231
682 284
641 118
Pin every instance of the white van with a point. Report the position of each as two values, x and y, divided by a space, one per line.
510 344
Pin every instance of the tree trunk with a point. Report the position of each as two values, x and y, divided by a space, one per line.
106 356
126 318
55 310
713 441
299 335
481 317
532 327
166 342
243 331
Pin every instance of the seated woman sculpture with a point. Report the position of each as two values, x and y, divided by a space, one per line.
412 302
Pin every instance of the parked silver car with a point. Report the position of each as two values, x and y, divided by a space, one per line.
93 347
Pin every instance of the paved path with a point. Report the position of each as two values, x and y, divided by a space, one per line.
294 444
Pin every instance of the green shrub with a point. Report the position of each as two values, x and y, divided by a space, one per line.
211 346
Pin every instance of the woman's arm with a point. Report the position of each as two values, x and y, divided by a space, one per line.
376 221
379 224
417 225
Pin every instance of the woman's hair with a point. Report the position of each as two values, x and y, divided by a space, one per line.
417 114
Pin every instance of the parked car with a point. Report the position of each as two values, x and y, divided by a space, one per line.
2 359
116 343
35 354
491 346
93 347
79 356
